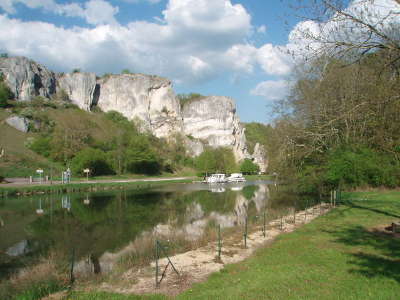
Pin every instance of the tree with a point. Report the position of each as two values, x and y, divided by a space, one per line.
219 160
5 92
248 167
126 71
141 159
93 159
333 29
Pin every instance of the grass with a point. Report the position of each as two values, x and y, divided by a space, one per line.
81 187
341 255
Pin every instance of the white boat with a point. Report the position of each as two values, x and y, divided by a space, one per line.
236 177
216 178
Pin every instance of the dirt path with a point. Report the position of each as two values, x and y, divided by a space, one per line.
196 265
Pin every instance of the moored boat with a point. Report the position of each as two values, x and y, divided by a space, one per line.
236 177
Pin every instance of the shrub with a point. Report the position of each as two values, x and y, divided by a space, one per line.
220 160
41 145
248 167
93 159
5 92
361 166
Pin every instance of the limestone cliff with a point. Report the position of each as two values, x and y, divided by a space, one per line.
207 121
259 157
213 120
27 78
150 99
80 88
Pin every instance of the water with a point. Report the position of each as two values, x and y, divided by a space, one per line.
103 227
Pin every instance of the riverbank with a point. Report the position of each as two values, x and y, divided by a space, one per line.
345 254
90 185
95 184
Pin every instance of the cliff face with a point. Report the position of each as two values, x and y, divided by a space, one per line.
147 98
80 88
208 121
27 78
213 121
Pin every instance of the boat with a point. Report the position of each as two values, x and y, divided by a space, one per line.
216 178
236 177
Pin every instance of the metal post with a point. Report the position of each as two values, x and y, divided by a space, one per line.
157 263
294 215
305 212
245 233
71 274
264 222
334 198
219 241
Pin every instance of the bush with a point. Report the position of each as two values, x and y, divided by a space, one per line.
219 160
248 167
41 145
361 166
141 159
93 159
5 92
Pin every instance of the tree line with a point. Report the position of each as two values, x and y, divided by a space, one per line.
340 125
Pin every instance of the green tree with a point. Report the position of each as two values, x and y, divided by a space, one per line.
41 145
141 159
248 167
219 160
93 159
5 92
126 71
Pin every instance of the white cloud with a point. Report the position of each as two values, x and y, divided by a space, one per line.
100 12
274 60
194 41
271 89
310 38
95 12
137 1
198 39
262 29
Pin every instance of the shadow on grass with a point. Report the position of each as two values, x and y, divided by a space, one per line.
378 255
353 204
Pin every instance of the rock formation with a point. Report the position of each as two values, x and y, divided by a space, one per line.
80 88
149 99
207 121
27 78
19 123
213 121
260 157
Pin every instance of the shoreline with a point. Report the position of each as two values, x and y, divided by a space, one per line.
197 265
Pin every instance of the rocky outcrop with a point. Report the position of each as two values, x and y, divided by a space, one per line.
260 157
213 121
80 88
18 123
149 99
27 78
207 121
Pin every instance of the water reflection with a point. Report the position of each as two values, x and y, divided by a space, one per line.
102 227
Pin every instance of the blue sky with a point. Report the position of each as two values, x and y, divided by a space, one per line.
234 48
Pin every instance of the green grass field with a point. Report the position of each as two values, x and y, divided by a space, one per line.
342 255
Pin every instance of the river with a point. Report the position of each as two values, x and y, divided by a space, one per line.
100 228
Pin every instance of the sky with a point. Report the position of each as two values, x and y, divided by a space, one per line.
235 48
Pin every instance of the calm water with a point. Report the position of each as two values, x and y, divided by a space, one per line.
105 225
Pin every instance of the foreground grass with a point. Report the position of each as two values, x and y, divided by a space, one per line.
338 256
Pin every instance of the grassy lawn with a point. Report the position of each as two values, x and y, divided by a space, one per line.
338 256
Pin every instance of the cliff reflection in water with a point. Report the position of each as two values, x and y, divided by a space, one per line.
103 227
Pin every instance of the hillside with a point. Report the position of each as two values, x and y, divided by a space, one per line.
146 100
